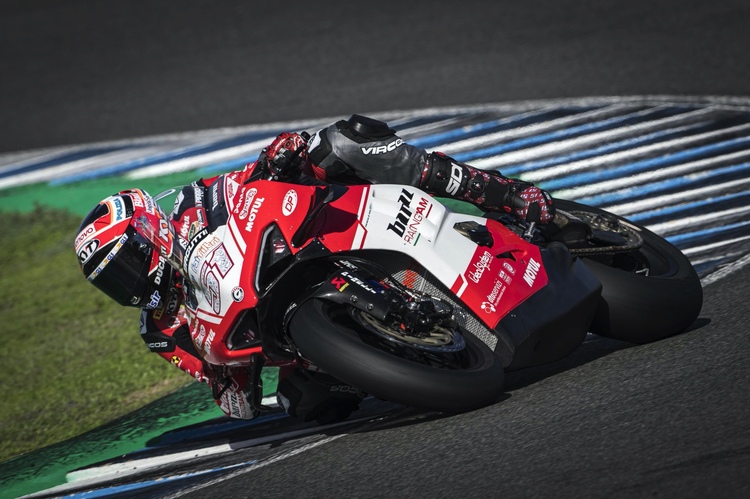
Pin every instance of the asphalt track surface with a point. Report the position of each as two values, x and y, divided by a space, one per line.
667 419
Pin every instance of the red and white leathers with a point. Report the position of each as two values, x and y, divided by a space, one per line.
166 330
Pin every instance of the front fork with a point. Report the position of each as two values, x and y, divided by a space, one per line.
381 297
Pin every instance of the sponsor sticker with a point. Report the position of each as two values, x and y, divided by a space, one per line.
86 232
290 202
85 253
391 146
253 213
409 219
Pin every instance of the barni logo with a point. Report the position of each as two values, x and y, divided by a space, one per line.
404 213
382 149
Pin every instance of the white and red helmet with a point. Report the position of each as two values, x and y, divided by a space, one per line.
116 258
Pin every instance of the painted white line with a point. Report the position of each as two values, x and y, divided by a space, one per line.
262 464
675 225
97 475
725 271
652 175
630 154
708 247
562 146
524 131
426 129
200 160
630 208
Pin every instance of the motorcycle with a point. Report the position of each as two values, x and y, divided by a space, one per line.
392 292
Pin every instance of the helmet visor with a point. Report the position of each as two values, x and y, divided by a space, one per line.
123 274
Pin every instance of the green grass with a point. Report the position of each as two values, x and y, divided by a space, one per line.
71 358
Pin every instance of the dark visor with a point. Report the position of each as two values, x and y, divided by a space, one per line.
125 277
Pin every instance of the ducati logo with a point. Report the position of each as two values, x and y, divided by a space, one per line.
488 307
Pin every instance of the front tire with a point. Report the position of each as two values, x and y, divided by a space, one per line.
648 294
451 381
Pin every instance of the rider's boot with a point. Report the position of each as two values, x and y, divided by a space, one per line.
231 391
490 191
317 396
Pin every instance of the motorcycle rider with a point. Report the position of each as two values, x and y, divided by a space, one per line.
124 265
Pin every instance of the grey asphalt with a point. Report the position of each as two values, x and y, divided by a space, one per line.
670 419
87 70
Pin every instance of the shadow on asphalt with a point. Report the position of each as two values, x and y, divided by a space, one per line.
593 348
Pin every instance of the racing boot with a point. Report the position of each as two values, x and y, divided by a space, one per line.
490 191
230 388
317 396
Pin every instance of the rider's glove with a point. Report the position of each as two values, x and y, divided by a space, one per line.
286 156
530 203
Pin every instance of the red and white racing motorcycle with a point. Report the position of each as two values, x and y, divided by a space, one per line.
387 289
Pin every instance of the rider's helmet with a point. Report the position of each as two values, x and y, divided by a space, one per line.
116 258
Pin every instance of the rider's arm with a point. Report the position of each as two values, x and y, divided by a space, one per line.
363 149
168 335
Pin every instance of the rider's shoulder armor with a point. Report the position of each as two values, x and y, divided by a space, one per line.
363 149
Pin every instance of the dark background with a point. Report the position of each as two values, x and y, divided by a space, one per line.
75 71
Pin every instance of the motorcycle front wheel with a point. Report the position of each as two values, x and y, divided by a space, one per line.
447 371
649 293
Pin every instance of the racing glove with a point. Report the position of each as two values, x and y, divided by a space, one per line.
286 156
490 191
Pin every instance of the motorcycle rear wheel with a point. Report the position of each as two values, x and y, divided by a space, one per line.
648 294
328 335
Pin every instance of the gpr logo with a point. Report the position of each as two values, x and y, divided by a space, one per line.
290 202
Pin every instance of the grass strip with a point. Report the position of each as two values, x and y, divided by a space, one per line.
72 358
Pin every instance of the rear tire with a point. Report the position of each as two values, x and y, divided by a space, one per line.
327 334
642 308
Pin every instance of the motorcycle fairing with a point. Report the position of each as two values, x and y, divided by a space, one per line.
490 280
221 265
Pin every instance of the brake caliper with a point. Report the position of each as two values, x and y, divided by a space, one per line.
417 315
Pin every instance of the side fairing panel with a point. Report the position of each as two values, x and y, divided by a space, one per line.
491 280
